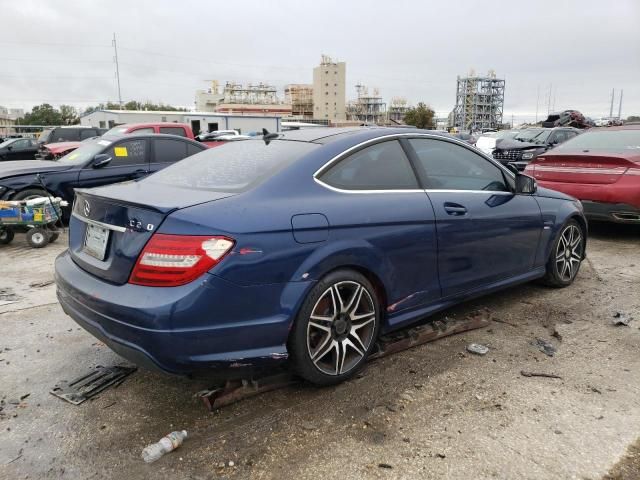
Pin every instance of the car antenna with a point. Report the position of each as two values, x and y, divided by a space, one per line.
267 137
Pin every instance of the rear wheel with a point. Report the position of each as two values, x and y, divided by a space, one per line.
335 329
6 236
37 237
566 256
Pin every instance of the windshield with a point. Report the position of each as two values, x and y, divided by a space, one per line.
232 167
44 136
609 140
505 134
85 152
7 142
528 134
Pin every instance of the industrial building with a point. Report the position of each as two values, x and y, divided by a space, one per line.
367 108
397 110
329 90
479 102
236 98
199 121
300 97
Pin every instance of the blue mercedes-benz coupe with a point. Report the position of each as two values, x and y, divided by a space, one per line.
304 246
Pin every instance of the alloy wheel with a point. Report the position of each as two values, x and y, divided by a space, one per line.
341 328
569 253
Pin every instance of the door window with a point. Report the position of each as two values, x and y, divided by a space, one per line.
169 151
128 152
173 131
382 166
21 144
448 166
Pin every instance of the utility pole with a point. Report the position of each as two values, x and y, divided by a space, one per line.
115 49
620 106
537 102
613 93
549 101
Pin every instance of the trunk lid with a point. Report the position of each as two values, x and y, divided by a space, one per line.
111 225
585 168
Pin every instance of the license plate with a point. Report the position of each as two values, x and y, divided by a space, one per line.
95 241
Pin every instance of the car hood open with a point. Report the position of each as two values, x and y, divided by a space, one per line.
509 144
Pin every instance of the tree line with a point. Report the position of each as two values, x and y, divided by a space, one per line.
46 114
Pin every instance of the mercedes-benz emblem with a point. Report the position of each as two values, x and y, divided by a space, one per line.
87 208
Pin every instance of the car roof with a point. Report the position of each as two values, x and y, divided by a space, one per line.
150 124
114 137
331 134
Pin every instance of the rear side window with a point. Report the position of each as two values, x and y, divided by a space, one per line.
193 149
88 133
173 131
234 167
140 131
129 152
382 166
64 135
169 151
452 167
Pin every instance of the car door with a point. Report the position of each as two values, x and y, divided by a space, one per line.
21 150
378 203
129 161
486 233
167 151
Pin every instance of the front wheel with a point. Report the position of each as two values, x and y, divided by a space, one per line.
335 329
37 237
566 256
6 236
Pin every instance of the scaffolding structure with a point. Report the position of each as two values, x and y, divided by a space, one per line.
398 109
300 97
479 102
367 108
261 93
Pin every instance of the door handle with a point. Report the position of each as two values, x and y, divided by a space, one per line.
455 209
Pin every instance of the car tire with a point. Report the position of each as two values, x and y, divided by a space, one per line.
37 237
566 256
6 236
53 236
30 193
336 328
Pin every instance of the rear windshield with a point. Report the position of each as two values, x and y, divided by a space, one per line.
233 167
611 140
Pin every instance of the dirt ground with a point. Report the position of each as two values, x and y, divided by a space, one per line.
434 411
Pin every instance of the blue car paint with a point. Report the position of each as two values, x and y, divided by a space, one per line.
422 260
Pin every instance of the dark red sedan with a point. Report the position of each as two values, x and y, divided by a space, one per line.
601 168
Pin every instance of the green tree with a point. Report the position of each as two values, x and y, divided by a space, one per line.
135 105
633 118
69 115
43 114
421 116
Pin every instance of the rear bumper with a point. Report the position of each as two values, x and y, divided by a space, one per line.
209 324
611 212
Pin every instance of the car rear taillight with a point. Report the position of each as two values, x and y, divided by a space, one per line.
173 260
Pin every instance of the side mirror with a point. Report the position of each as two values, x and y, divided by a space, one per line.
525 184
100 160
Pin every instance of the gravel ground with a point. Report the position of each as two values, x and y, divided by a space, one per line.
435 411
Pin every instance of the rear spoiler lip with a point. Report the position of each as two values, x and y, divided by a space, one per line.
123 203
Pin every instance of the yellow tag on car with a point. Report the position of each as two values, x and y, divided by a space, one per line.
120 151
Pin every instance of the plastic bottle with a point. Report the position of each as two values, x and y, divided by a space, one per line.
166 444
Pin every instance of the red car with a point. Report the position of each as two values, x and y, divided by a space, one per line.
601 168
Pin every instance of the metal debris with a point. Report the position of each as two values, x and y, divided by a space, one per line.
537 374
621 319
82 388
545 347
477 349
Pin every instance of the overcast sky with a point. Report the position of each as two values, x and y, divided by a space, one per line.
60 51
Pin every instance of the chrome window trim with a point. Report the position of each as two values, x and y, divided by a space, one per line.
392 136
108 226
